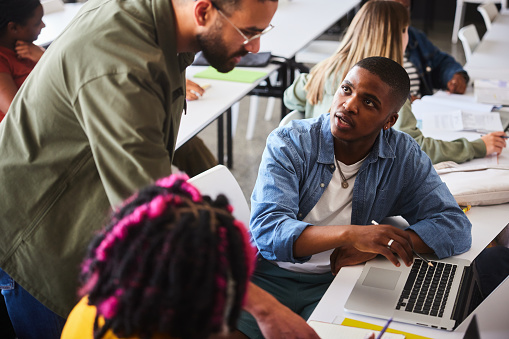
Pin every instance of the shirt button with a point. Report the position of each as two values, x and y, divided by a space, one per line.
299 215
332 166
322 185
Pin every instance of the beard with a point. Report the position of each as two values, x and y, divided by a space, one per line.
215 50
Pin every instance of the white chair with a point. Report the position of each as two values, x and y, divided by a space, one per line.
219 180
291 116
489 12
459 16
470 39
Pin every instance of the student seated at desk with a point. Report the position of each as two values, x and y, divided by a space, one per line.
428 67
322 182
380 28
20 25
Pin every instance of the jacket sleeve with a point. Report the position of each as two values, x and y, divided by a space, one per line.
430 208
125 132
459 150
275 201
443 66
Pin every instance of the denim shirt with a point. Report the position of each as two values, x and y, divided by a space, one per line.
396 178
435 68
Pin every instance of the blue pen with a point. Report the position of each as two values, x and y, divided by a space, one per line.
384 329
500 136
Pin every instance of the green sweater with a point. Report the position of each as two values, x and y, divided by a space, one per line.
459 150
96 120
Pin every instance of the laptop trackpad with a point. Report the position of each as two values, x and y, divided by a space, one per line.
381 278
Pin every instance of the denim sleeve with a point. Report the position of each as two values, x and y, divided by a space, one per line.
443 65
275 201
431 210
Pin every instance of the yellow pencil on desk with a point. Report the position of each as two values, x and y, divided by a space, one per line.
417 254
466 209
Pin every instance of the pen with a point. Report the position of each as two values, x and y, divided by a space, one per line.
417 254
500 136
384 329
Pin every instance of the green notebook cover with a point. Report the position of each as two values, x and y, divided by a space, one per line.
237 75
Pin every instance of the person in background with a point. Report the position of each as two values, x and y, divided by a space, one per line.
379 30
20 25
95 124
169 264
322 182
428 67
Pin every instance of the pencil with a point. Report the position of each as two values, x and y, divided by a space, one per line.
417 254
384 329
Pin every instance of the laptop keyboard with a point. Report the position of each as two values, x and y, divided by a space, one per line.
427 288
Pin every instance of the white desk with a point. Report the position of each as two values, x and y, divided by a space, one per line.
487 222
298 22
216 100
56 23
490 58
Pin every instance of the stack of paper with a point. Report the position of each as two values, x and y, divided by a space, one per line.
492 91
446 112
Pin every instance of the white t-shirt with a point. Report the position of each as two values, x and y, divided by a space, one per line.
333 208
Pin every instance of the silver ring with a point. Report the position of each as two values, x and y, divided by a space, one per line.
390 243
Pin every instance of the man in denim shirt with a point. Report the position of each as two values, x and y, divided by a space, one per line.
323 181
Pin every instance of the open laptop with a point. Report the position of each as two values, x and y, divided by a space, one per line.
405 293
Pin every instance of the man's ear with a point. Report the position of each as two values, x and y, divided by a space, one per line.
202 12
391 121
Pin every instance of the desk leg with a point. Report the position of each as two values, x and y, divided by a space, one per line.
220 140
229 138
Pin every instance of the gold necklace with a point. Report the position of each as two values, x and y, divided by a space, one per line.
344 180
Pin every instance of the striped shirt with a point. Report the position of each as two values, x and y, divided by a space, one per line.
415 82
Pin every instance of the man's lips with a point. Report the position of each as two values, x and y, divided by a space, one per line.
344 119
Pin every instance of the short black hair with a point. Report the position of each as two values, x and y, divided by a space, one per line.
390 72
18 11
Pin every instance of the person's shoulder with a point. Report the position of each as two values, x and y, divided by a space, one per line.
403 142
301 132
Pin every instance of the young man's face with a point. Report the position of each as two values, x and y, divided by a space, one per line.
362 106
222 45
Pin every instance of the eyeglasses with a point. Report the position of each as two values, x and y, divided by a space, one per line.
246 39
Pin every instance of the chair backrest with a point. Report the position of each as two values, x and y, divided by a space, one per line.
219 180
291 116
470 39
488 11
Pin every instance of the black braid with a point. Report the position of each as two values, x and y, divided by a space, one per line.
168 273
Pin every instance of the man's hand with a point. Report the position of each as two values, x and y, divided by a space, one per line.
494 142
275 319
457 84
27 50
347 256
193 90
375 239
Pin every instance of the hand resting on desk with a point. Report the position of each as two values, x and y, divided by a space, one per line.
369 241
193 90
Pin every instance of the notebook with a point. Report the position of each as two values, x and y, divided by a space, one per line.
439 297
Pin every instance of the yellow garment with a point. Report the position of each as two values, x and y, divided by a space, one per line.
80 323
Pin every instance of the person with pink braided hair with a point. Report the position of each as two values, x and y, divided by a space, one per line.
169 264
